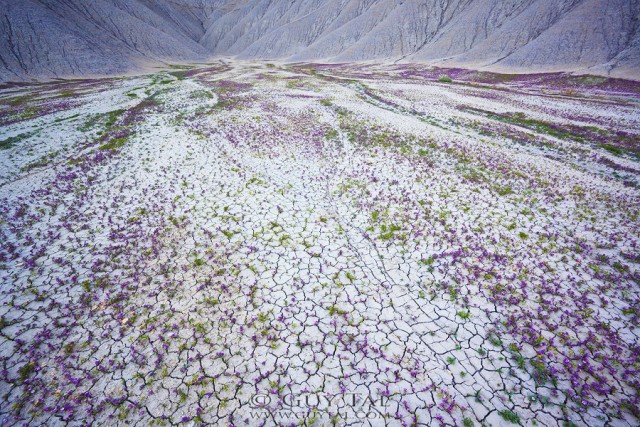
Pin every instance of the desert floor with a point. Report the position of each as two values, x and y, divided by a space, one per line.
256 244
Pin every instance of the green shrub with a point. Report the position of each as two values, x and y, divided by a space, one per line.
510 416
612 149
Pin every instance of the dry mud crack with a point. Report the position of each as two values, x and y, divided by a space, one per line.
247 244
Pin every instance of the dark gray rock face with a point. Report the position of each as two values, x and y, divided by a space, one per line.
49 38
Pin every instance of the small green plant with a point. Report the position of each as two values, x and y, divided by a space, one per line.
201 94
445 79
26 370
612 149
333 310
68 348
510 416
386 233
620 267
11 141
503 191
520 360
112 117
228 233
541 374
86 285
495 340
114 144
467 422
464 314
428 261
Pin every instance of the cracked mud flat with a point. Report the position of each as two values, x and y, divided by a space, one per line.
246 244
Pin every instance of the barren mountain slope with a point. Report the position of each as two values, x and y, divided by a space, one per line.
49 38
